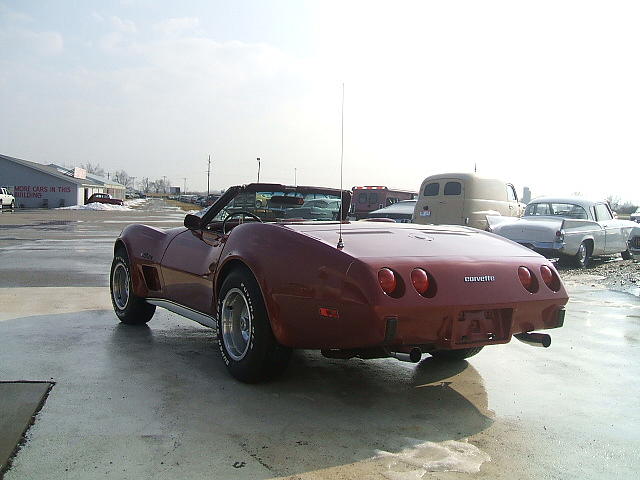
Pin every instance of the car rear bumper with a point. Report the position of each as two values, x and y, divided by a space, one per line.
547 249
446 327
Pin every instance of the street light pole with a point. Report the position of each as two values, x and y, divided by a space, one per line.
258 169
295 177
208 175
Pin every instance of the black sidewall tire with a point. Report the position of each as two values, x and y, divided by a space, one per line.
265 358
583 263
626 255
136 311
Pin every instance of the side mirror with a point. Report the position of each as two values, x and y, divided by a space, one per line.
192 222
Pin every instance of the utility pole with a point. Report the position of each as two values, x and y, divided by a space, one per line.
133 183
258 169
295 177
208 175
185 184
164 184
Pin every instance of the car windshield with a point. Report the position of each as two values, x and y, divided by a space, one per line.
566 210
275 206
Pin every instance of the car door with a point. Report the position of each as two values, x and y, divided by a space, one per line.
188 268
613 238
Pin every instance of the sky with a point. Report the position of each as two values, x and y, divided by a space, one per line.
543 94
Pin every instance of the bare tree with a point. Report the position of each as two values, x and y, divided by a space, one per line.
145 184
123 177
94 168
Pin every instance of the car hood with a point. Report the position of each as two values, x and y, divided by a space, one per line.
373 239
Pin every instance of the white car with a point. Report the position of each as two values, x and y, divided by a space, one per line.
6 199
635 216
634 242
571 229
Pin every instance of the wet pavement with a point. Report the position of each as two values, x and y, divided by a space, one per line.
156 401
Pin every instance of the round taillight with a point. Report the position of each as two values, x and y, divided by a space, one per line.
420 280
550 278
526 278
547 275
387 280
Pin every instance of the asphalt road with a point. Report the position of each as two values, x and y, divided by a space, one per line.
156 402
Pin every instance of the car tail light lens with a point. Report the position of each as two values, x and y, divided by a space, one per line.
550 278
420 280
527 279
387 280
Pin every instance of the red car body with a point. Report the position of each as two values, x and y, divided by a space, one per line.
104 198
321 295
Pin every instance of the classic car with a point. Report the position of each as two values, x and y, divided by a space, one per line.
104 198
571 229
269 283
465 199
400 212
634 242
635 216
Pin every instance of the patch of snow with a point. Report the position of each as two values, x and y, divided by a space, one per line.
136 202
95 206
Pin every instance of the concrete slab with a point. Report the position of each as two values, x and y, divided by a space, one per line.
19 403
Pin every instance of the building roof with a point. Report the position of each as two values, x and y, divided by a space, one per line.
65 174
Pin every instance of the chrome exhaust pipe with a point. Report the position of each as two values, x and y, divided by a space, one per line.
414 355
534 339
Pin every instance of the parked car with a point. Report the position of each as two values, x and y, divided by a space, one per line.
571 229
370 198
104 198
400 212
465 199
269 285
6 199
634 242
635 216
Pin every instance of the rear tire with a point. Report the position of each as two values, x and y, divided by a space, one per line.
247 344
455 355
626 255
129 308
583 257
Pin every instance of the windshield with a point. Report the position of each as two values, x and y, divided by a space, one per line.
567 210
275 206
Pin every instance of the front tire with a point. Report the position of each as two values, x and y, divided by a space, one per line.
455 355
626 255
247 344
129 308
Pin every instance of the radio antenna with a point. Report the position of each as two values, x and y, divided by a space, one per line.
340 245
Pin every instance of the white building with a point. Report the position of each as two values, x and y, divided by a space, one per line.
35 185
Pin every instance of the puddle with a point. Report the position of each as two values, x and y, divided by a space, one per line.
447 456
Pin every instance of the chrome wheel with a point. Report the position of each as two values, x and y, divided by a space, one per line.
120 286
236 321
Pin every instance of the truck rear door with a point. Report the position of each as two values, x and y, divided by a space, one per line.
441 202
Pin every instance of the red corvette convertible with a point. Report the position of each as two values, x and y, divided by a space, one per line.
284 272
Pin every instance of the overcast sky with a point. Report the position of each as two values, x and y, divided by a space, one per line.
544 94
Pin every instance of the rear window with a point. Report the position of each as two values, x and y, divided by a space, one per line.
566 210
432 189
452 188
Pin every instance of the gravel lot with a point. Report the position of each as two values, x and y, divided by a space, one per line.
612 273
